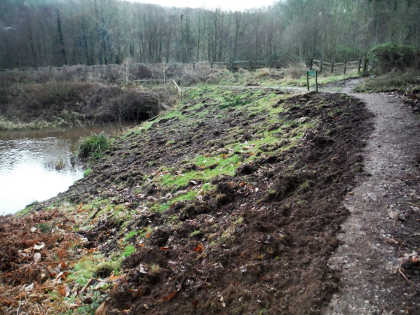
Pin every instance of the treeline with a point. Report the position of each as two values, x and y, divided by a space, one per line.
58 32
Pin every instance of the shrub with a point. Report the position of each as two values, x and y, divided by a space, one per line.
93 146
262 73
389 56
295 71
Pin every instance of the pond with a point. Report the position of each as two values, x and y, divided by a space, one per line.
37 165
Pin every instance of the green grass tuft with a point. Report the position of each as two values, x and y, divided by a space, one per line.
93 146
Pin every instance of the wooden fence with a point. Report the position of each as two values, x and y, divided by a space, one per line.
340 67
163 72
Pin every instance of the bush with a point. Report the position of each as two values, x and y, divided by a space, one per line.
389 56
114 104
295 71
93 146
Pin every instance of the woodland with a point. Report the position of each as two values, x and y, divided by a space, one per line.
57 32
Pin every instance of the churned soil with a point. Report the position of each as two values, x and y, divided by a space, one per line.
259 241
262 240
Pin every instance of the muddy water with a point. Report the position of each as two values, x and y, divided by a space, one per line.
37 165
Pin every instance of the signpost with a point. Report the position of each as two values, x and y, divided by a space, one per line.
312 73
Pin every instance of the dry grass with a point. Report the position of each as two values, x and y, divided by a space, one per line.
295 71
401 81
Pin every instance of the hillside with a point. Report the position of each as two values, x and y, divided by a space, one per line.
229 203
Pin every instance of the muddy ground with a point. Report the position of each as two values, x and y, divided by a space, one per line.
230 203
379 256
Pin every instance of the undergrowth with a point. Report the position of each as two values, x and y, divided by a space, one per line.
93 146
404 82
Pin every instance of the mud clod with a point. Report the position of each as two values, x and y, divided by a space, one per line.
282 187
246 169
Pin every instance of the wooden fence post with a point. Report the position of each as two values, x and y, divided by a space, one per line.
359 66
321 66
316 81
307 79
365 65
178 89
345 66
332 66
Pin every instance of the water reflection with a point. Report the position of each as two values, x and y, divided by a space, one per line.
35 166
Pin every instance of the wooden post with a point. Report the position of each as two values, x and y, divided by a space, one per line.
365 66
345 66
359 66
164 74
321 65
178 89
311 65
332 66
316 81
307 79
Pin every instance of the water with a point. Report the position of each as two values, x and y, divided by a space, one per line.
37 165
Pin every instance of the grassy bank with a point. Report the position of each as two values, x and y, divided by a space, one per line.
230 202
406 82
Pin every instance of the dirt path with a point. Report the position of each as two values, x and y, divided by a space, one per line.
384 224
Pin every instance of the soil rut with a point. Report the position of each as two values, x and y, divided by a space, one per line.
384 222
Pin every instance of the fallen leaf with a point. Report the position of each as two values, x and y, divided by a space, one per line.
136 293
40 246
61 253
169 297
101 310
114 278
37 257
7 302
62 290
199 248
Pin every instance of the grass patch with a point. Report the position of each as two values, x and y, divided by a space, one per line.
84 270
93 146
404 82
128 251
87 172
225 166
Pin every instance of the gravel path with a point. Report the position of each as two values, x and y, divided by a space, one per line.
384 222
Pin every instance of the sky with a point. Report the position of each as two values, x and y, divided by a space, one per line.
234 5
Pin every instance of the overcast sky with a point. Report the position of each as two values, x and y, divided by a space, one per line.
212 4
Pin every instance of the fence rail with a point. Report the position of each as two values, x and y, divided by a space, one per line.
338 67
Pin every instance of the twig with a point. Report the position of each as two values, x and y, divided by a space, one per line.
403 275
391 241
